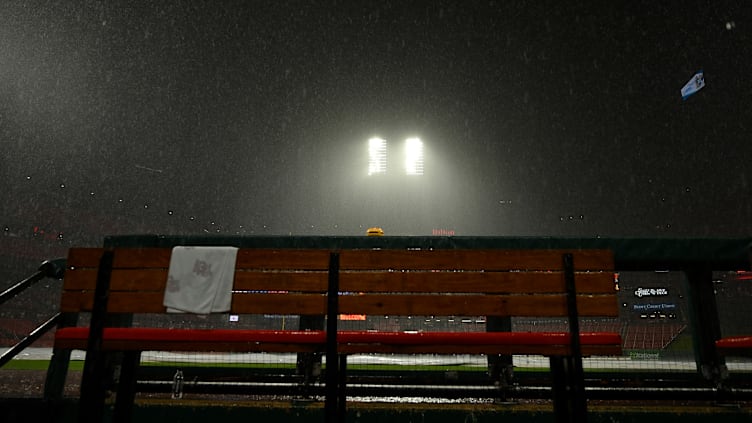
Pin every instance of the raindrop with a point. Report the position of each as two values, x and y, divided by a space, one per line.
62 185
28 178
169 212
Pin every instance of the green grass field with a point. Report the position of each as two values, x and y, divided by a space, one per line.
38 365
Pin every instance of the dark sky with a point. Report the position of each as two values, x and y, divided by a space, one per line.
538 118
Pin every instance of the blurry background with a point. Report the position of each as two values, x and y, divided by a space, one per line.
536 118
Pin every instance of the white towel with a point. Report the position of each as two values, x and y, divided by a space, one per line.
200 279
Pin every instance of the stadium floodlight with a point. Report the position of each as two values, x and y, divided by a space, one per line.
413 156
376 156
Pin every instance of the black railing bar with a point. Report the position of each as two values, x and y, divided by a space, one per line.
28 340
48 269
20 286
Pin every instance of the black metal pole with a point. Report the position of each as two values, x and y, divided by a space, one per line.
29 339
91 403
331 405
706 326
576 373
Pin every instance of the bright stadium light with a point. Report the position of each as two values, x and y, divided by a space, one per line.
376 156
413 156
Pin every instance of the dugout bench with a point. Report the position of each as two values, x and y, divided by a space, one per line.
695 257
322 282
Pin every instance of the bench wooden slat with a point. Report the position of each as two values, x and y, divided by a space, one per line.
270 303
156 279
79 278
151 302
482 282
79 257
365 259
308 281
380 305
546 305
247 258
473 259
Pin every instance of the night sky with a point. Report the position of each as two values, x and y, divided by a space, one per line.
538 118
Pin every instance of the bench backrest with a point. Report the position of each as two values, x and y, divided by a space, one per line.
266 281
375 282
474 282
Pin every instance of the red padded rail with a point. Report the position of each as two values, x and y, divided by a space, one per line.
295 336
734 342
195 335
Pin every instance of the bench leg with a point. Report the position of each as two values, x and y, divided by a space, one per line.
500 367
335 405
126 393
308 367
93 389
570 404
501 372
54 384
342 392
331 390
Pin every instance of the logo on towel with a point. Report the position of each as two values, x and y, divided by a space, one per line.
202 268
173 285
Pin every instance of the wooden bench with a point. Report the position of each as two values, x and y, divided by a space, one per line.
492 283
115 284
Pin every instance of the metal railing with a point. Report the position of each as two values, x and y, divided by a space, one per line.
48 269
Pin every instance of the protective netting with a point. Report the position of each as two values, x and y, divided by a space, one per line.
653 322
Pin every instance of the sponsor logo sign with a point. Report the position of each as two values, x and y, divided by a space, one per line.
654 307
650 292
